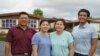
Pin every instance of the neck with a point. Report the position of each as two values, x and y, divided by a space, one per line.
82 23
23 27
43 32
59 32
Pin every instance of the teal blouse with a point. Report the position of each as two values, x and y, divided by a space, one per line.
60 43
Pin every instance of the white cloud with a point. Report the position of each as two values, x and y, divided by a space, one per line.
52 8
15 5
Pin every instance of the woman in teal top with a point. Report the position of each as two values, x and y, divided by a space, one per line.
61 40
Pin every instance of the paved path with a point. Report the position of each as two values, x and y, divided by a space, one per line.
2 44
98 49
2 48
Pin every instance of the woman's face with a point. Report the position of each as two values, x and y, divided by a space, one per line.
44 26
59 26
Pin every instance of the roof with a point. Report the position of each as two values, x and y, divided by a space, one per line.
53 19
95 20
16 14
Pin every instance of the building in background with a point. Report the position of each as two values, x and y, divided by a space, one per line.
96 23
8 20
70 24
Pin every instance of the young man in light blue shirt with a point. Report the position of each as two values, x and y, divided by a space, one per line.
85 35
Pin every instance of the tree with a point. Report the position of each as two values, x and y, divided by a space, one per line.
38 12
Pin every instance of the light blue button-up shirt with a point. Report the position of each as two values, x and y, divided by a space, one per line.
82 38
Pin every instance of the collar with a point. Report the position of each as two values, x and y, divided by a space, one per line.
84 26
21 28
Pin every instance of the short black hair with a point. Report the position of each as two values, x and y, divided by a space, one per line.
84 10
23 13
43 20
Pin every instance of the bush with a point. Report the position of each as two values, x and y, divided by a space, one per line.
69 30
51 30
99 36
2 36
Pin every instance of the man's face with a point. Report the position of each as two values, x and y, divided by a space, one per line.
82 17
23 20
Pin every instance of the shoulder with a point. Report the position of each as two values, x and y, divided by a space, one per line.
37 34
67 33
13 28
31 29
52 33
75 27
91 27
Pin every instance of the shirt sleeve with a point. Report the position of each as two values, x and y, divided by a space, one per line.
70 38
94 33
9 36
34 31
35 39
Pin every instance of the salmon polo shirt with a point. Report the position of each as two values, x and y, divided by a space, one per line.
20 39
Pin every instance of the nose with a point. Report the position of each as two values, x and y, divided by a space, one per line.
82 16
24 19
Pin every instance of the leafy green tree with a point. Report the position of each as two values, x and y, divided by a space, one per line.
38 12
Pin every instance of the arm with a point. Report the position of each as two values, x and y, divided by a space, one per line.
7 48
8 42
34 50
35 41
93 46
71 49
93 42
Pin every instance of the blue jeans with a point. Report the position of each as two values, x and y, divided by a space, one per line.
78 54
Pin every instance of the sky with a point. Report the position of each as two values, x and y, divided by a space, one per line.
66 9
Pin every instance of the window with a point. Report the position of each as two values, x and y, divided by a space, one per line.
32 23
8 23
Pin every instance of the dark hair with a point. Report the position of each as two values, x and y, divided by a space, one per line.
23 13
63 21
84 10
44 20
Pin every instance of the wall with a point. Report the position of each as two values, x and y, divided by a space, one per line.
0 23
4 30
96 25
